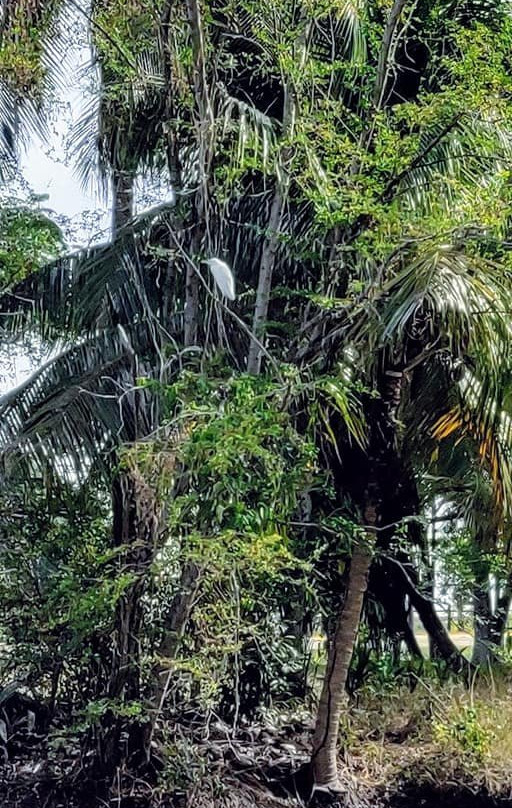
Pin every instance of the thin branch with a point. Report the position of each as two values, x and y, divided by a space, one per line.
383 64
104 32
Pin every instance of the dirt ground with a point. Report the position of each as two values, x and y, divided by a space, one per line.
462 640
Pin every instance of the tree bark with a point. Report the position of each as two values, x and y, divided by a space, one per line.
440 638
204 130
175 624
135 532
268 256
123 192
271 243
174 627
483 654
191 307
383 64
325 739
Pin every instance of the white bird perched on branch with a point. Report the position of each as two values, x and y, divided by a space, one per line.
223 277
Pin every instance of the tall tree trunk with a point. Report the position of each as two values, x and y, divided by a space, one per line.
268 256
204 125
483 654
271 243
175 624
135 530
439 637
430 584
372 485
123 192
191 306
325 739
499 625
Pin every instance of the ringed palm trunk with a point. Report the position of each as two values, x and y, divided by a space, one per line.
123 191
382 438
325 739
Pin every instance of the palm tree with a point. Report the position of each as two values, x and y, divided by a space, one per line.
475 467
434 304
258 171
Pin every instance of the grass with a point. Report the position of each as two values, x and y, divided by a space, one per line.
436 735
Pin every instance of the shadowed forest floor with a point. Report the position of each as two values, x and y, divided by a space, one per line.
427 745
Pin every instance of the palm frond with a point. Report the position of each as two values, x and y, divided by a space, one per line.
255 131
95 288
31 65
481 414
472 151
351 18
459 299
75 406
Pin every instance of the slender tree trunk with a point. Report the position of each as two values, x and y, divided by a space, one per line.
430 583
127 511
268 256
174 627
135 530
441 640
123 191
383 67
325 739
205 131
483 654
175 624
191 307
499 626
271 243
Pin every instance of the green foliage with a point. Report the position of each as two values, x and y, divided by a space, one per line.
240 468
465 561
57 587
392 197
245 461
462 726
28 239
25 50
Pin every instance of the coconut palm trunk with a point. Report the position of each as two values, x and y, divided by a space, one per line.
325 739
123 187
135 528
381 417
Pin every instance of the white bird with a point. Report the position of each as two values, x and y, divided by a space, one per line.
223 277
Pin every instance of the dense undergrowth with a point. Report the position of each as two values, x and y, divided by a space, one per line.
276 407
418 741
